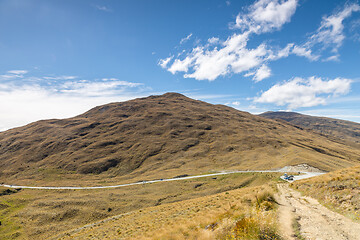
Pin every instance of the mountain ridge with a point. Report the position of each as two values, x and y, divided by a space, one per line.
346 130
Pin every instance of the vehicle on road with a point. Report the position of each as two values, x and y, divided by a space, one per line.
288 177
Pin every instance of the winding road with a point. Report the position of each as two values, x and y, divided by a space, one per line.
303 175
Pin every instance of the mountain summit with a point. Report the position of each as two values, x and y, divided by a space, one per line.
163 136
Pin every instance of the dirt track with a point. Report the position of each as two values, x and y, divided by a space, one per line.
316 221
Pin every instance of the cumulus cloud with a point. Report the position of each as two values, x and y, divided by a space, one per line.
27 101
262 73
266 16
300 92
233 55
219 58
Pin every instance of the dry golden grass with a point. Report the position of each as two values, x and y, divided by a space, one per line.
159 137
338 190
235 214
40 214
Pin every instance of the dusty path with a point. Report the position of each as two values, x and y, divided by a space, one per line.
316 221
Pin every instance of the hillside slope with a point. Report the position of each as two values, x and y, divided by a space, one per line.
161 136
345 130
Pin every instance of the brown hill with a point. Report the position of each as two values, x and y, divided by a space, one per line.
161 136
345 130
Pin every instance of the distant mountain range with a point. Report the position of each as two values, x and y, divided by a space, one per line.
334 127
168 135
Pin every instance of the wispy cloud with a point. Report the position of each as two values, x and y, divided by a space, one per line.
304 52
185 39
60 77
300 92
329 36
18 72
103 8
330 33
13 74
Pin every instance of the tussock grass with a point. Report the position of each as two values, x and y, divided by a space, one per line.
235 214
40 214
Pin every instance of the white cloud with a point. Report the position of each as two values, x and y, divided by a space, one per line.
109 79
219 58
26 101
18 72
262 73
213 40
334 58
185 39
95 89
304 52
60 78
266 16
13 74
283 53
164 62
301 92
103 8
330 34
236 103
209 63
228 3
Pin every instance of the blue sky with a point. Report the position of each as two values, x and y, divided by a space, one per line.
60 58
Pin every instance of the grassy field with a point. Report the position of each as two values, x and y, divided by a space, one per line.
247 213
338 190
41 214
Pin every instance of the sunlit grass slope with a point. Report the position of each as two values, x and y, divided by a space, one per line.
40 214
